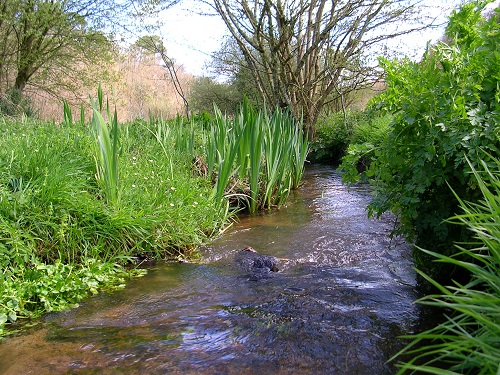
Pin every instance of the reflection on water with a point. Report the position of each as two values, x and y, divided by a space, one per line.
342 297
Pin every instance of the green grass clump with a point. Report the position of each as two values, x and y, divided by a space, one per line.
468 341
256 158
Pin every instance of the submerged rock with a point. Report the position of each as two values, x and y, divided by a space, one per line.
259 265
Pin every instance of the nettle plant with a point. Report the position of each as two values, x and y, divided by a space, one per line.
446 111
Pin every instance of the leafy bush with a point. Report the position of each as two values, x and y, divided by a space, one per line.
467 342
206 92
446 111
332 136
367 137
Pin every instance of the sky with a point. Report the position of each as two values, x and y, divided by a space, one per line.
190 38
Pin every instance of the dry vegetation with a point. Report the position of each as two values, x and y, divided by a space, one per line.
138 86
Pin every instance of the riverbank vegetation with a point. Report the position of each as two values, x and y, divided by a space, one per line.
83 200
466 342
82 203
436 164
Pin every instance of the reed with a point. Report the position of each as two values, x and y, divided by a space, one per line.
264 153
107 150
67 115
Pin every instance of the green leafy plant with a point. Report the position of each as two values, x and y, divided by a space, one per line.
332 136
467 342
258 157
367 138
445 112
107 150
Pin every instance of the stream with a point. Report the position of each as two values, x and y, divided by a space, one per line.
342 297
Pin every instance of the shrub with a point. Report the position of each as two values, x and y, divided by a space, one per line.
367 137
332 136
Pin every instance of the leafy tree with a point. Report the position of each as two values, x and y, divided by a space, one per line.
446 114
229 62
305 54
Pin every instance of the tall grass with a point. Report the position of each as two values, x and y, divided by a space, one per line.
256 155
468 341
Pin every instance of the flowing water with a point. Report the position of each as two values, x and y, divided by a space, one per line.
340 301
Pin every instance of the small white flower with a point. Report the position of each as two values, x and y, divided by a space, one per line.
133 185
172 204
172 188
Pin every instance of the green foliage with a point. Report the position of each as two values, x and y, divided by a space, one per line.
337 132
69 223
107 149
332 136
52 45
467 342
205 93
258 157
28 292
446 111
366 138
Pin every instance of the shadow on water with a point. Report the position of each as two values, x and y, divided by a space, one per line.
342 297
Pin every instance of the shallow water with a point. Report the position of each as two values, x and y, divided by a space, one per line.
342 297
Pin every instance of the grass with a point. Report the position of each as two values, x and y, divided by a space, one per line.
63 235
468 341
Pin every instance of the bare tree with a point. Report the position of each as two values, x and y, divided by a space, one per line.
305 53
154 44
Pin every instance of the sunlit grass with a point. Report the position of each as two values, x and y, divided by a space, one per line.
56 217
79 201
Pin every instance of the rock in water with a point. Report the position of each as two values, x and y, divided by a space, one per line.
251 261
